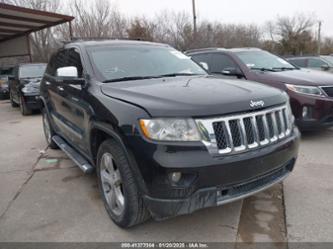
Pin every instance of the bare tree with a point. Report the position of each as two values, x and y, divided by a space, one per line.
141 29
97 19
173 28
293 34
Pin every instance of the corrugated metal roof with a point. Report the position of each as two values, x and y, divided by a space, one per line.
16 21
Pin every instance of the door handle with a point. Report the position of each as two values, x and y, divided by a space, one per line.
60 88
47 83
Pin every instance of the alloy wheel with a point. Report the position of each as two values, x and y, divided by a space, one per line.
112 184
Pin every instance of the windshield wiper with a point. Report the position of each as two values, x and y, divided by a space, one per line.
285 68
176 74
149 77
263 69
128 79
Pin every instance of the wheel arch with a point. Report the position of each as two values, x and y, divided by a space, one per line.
100 132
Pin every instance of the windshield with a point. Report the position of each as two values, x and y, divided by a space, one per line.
111 63
329 59
263 60
32 71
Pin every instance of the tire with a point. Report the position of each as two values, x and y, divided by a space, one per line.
48 131
12 102
112 163
23 107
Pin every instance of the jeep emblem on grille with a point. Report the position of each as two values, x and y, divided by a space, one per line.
260 103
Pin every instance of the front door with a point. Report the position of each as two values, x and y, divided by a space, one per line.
69 111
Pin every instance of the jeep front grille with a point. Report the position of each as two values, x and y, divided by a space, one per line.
244 132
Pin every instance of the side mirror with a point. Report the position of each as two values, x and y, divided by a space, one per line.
325 67
67 72
69 75
204 65
233 72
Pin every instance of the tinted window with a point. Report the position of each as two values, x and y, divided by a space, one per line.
114 62
298 62
219 62
32 71
65 58
329 59
201 58
313 62
58 60
262 59
73 59
216 62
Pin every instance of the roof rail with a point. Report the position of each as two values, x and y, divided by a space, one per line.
75 39
201 49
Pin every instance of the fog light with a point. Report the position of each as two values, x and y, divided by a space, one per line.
175 177
305 112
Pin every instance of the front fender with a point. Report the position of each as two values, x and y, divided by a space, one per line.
108 129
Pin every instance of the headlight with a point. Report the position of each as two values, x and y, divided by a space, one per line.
169 129
309 90
290 114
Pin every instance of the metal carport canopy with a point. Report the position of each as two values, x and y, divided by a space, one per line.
17 21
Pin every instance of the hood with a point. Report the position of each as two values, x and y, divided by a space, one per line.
31 85
32 81
193 96
298 77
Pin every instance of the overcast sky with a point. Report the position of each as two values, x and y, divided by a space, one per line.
235 11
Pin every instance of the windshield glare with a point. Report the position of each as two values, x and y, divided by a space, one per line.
32 71
263 59
116 62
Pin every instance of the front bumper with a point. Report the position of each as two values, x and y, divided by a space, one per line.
320 111
208 181
32 101
216 196
4 93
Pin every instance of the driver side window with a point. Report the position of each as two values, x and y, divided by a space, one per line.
65 58
216 62
74 60
317 63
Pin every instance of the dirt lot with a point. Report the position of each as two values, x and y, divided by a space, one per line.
45 197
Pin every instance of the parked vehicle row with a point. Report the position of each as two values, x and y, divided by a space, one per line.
310 92
5 73
321 63
170 133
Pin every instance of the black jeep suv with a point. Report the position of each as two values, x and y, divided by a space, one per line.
24 86
165 138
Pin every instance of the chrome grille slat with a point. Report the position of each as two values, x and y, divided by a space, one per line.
240 133
243 133
266 130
